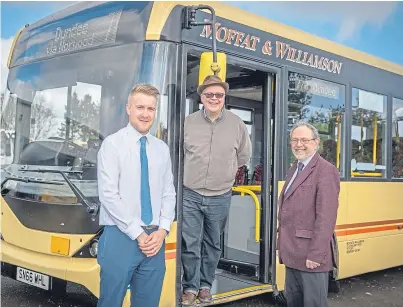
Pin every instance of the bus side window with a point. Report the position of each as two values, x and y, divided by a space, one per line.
369 131
322 104
397 138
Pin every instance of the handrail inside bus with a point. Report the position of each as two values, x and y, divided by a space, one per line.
254 188
248 191
374 141
365 174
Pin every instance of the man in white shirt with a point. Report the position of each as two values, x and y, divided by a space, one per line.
137 206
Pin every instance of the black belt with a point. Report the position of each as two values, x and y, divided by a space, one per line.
150 227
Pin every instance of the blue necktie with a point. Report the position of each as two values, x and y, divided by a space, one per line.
146 210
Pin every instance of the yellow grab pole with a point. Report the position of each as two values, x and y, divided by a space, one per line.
375 139
338 142
257 209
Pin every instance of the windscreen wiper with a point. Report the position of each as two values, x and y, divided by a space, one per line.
27 179
92 208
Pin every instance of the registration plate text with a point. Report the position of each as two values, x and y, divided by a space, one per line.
33 278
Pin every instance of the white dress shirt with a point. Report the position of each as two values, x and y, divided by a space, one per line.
119 181
305 162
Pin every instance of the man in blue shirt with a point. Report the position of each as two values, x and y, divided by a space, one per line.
138 206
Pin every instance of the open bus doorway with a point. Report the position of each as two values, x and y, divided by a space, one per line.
246 254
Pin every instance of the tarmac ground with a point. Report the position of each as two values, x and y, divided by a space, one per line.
378 289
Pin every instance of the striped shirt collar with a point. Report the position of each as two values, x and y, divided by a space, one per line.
219 118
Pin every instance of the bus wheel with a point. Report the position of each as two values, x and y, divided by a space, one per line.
280 298
58 288
334 286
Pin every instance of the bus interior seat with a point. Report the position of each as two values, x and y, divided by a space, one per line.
257 174
242 176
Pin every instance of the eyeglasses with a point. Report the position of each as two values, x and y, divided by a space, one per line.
211 95
302 141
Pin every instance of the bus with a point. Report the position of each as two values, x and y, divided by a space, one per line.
70 76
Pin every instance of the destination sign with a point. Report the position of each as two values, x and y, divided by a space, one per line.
95 32
95 27
318 87
314 86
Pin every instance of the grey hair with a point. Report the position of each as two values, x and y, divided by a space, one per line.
315 132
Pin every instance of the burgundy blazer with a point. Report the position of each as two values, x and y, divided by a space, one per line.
307 216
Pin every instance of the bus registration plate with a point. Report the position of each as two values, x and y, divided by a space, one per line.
33 278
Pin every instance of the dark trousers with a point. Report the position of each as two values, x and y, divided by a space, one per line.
124 266
306 289
203 222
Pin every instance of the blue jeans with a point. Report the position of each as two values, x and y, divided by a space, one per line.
122 264
203 222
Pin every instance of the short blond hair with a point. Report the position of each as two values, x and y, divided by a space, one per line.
146 89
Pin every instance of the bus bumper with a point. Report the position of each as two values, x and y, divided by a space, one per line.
83 271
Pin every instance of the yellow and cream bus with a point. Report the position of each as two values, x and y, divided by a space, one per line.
70 75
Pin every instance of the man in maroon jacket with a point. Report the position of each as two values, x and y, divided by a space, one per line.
307 217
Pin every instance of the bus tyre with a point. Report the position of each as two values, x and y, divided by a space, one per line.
280 298
334 286
58 288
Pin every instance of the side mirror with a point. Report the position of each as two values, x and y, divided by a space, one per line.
207 66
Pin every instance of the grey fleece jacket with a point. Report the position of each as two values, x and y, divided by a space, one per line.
214 151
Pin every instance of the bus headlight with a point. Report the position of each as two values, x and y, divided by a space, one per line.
89 249
94 248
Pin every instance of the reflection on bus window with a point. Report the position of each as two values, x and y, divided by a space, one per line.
159 69
320 103
70 113
7 125
6 147
368 134
160 126
397 138
246 116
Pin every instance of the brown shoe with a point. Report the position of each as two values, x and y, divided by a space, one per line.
205 295
188 299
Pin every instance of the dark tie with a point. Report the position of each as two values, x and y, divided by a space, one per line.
300 167
146 209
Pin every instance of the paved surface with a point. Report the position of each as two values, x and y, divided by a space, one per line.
379 289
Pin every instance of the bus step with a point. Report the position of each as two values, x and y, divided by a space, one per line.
238 267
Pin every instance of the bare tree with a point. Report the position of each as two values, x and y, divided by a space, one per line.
83 119
8 109
43 119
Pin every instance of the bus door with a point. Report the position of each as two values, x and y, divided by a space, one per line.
246 254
